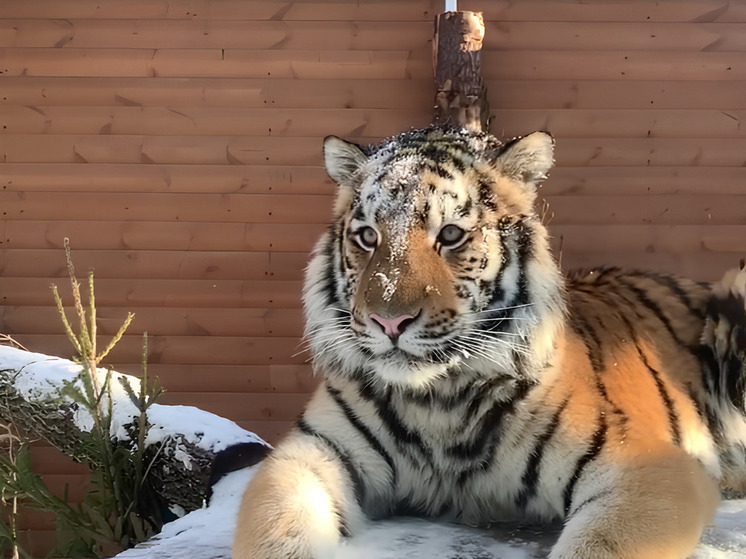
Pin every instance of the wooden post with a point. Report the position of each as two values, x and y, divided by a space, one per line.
460 94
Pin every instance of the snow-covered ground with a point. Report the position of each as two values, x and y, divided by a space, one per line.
207 533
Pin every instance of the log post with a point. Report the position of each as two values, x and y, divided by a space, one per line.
460 94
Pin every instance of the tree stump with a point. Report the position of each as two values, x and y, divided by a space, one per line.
460 94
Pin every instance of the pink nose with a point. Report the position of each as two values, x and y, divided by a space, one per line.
393 327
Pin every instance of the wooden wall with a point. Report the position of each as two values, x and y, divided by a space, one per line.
177 143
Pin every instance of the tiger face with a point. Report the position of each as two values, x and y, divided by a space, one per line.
429 255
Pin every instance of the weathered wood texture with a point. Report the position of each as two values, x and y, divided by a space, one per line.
460 94
178 144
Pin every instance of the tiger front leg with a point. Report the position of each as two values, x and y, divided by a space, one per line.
656 506
298 506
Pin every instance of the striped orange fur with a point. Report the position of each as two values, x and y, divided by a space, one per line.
465 378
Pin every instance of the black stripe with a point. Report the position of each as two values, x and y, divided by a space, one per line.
734 369
401 434
673 416
588 334
730 307
730 372
329 281
520 236
597 443
486 193
439 170
439 153
653 307
530 477
364 431
588 501
498 294
452 398
341 248
710 381
481 446
464 209
525 251
596 356
358 214
458 164
352 472
674 287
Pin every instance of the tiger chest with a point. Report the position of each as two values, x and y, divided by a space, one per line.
483 460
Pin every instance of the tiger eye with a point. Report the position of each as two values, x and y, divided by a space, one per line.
367 238
450 235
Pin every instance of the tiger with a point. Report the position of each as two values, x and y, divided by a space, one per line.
465 378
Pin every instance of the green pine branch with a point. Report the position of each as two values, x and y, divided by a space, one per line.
121 508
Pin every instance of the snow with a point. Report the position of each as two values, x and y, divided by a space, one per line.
208 431
207 533
42 375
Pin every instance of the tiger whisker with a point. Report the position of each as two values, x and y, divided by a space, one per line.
473 349
489 340
500 309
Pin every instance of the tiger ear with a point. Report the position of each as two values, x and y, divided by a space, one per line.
528 158
342 159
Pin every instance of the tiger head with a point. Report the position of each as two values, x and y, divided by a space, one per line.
436 263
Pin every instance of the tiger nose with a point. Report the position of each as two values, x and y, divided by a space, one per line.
393 327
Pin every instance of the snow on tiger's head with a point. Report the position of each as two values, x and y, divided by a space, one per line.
435 263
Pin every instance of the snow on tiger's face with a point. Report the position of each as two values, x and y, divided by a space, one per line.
432 237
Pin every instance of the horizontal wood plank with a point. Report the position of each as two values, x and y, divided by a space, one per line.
198 350
384 10
379 64
592 180
243 407
363 35
93 235
647 210
241 208
217 34
132 264
366 93
135 149
615 94
187 377
159 321
114 177
271 431
563 123
702 266
289 179
219 92
269 294
239 150
146 63
601 209
161 235
158 121
681 239
56 463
